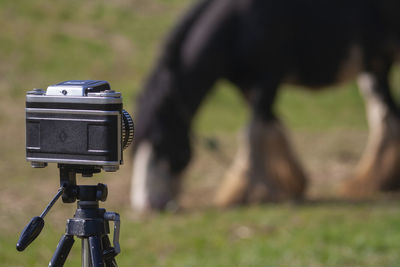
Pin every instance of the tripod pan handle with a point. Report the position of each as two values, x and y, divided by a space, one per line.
30 232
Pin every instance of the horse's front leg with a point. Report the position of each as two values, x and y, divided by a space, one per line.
265 168
379 167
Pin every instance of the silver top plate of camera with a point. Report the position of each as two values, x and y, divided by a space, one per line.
77 87
76 91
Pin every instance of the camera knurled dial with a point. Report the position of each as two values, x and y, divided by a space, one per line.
127 129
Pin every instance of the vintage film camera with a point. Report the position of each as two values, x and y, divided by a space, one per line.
78 122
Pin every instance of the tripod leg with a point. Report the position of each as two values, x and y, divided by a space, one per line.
86 262
96 251
108 252
62 251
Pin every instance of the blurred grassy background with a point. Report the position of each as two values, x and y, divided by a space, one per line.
44 42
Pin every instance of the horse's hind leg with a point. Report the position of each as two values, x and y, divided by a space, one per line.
379 168
265 168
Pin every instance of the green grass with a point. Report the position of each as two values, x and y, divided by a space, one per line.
328 234
320 234
44 42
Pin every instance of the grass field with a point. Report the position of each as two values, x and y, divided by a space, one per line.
43 42
315 234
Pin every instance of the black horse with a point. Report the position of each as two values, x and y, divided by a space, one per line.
258 45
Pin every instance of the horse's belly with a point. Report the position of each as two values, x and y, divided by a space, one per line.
321 71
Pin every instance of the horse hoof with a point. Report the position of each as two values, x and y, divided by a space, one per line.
232 192
357 189
239 191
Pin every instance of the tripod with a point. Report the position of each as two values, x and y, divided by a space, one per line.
90 223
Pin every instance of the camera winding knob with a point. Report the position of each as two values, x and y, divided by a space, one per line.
127 129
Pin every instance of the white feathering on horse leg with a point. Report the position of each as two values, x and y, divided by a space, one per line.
379 165
265 168
234 185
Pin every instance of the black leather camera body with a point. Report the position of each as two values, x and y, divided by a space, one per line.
78 122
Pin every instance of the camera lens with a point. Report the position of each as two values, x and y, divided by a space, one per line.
127 129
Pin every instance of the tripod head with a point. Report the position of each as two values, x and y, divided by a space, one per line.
72 191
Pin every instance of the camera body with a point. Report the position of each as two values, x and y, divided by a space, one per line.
77 122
